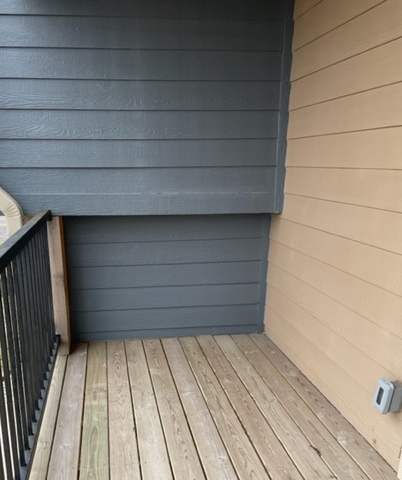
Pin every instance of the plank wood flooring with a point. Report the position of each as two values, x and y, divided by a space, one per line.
213 408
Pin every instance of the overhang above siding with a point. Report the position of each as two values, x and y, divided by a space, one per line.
153 110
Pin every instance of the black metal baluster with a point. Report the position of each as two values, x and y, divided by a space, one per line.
47 285
5 355
25 344
5 430
33 329
15 363
32 363
17 330
39 314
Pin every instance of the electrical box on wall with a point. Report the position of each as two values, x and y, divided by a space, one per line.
388 396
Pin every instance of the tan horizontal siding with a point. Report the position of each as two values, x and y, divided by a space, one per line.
375 27
379 149
303 6
326 16
334 301
365 71
371 188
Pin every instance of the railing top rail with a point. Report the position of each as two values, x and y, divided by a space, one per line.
16 242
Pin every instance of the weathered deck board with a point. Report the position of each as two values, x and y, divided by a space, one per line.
66 444
214 457
122 439
319 437
183 454
300 450
43 449
151 442
215 408
94 462
358 448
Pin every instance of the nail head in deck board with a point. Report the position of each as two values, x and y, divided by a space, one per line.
213 455
299 449
358 448
330 450
182 453
271 452
151 441
94 461
124 462
66 444
241 451
44 443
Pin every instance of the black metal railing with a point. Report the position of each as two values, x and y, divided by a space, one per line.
27 342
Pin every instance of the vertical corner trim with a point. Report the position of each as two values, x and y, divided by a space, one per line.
58 267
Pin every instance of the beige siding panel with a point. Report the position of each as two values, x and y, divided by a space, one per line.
368 70
326 16
383 432
302 6
378 25
377 305
362 369
379 267
379 228
368 110
376 343
381 149
334 302
376 188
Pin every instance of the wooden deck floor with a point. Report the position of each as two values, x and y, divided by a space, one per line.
194 408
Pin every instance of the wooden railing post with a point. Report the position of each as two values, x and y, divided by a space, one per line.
58 269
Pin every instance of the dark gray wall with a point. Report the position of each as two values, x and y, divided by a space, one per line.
146 107
150 276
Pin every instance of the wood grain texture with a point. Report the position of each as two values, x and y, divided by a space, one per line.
243 456
299 449
332 452
94 459
43 449
58 269
271 452
196 412
151 440
66 444
182 452
123 450
213 455
367 457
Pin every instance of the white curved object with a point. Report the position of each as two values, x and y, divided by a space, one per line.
12 211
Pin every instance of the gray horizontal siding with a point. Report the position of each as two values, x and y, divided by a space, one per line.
138 33
166 275
208 9
146 108
123 125
137 95
138 64
64 154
